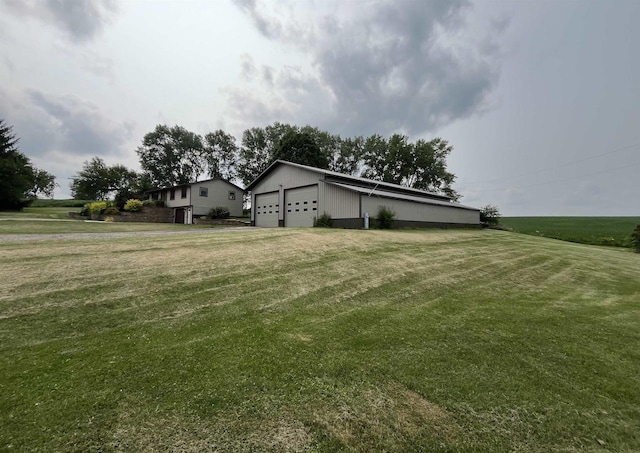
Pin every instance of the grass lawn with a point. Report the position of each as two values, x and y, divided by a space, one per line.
614 231
40 213
32 221
319 340
79 226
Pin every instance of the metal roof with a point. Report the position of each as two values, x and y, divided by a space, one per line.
348 177
398 196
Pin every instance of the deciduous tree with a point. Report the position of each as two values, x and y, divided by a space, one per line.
257 150
171 155
300 148
420 165
99 181
220 154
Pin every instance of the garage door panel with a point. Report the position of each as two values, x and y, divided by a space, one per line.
267 209
301 206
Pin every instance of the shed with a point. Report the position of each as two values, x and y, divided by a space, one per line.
293 195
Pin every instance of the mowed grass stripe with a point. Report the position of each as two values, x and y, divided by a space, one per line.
322 340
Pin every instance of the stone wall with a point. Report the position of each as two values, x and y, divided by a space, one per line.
150 215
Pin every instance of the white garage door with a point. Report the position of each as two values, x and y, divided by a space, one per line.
267 209
301 206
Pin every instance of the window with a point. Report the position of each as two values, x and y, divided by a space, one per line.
172 194
183 193
232 195
204 191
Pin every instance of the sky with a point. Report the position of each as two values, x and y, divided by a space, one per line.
539 99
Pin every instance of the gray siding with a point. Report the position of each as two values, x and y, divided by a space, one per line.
218 195
178 202
288 177
407 210
337 202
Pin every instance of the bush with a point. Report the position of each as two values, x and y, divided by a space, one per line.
385 218
133 205
108 219
635 239
97 207
111 210
219 212
490 216
153 203
324 221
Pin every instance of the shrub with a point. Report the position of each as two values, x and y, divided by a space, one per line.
97 207
219 212
85 210
133 205
153 203
111 210
635 239
490 216
385 218
324 221
108 219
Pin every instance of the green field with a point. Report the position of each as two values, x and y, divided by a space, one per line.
40 213
319 340
612 231
68 203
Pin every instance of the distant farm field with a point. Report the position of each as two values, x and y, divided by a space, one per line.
612 231
49 212
319 340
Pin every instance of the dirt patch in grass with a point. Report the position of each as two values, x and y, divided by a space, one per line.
160 433
282 435
385 418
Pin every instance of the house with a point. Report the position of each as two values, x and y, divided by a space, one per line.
196 199
294 195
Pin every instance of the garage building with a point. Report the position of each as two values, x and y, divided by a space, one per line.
294 195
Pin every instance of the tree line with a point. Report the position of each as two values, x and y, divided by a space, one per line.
171 156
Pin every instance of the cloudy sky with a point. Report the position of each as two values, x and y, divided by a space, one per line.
540 100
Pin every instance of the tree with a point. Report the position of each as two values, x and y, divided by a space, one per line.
220 154
420 165
428 167
347 158
386 160
489 215
93 182
43 182
300 148
98 181
171 156
20 181
257 150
